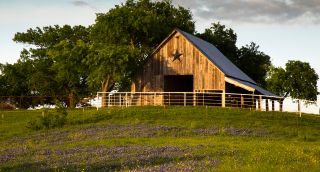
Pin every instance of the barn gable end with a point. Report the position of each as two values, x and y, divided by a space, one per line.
159 67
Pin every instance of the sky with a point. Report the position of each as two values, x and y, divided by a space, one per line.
284 29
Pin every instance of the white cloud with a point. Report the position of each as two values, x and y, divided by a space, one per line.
32 14
256 11
81 3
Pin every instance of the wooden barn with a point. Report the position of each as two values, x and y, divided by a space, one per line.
185 63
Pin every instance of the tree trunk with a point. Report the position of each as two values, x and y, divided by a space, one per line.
71 102
105 84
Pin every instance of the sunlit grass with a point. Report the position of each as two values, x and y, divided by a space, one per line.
154 138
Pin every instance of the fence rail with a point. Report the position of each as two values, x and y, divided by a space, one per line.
27 102
261 102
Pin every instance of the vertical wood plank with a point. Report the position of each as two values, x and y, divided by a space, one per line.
195 67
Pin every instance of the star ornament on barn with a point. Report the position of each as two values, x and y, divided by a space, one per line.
176 56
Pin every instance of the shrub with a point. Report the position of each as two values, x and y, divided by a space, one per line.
50 120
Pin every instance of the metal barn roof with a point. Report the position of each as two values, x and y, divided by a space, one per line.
217 58
223 63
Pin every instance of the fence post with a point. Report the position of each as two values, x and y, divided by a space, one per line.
185 98
108 99
97 101
224 99
272 105
299 108
126 99
202 99
250 118
260 103
120 99
154 98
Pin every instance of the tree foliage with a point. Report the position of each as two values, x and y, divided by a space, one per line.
43 78
143 24
298 80
254 63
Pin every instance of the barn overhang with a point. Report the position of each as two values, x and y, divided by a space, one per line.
251 87
238 84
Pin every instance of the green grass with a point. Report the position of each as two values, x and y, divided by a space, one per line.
295 147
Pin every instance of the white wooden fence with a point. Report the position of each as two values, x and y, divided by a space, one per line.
261 102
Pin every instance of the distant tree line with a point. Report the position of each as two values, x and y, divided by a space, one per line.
79 61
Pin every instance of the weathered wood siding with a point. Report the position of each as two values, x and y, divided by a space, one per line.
150 78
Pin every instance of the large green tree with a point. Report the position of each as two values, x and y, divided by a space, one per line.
298 80
142 24
111 65
43 77
43 72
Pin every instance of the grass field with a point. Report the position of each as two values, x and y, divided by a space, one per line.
158 138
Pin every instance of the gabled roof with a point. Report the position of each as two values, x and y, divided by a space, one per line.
217 58
223 63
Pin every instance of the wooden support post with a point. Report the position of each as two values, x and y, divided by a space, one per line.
267 105
242 101
281 105
224 98
253 99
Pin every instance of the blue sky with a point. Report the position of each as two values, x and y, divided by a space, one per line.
284 29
